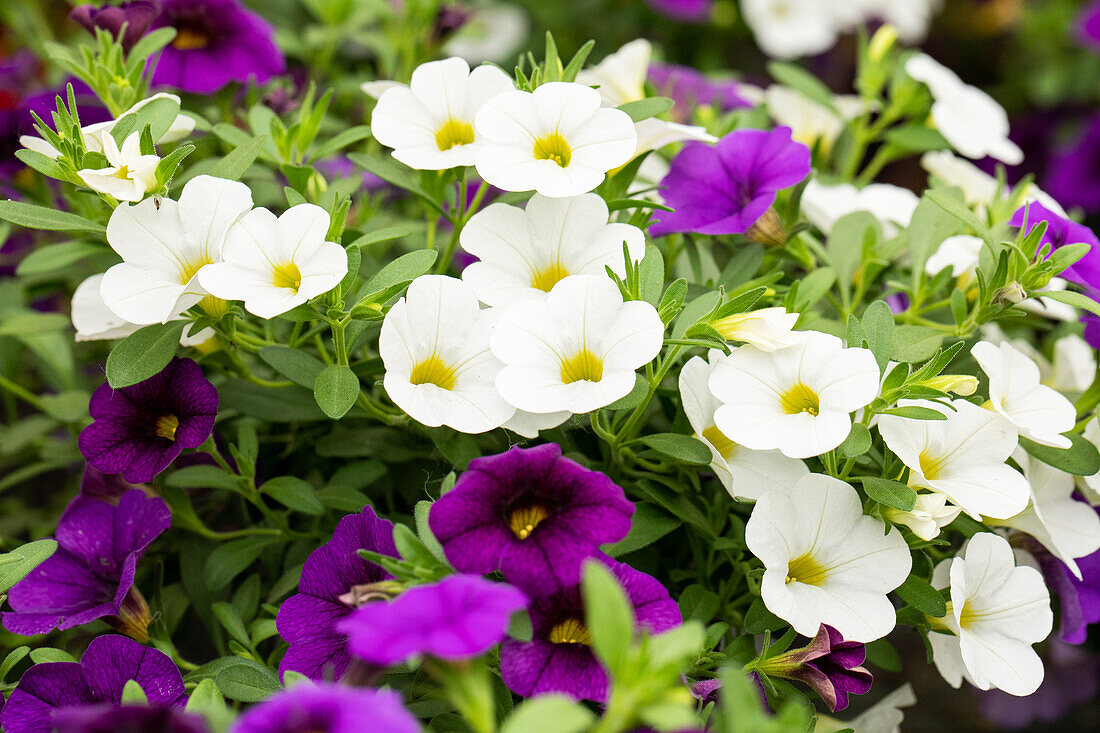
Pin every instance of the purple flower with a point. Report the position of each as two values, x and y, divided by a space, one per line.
558 658
139 430
1088 25
530 513
689 88
108 487
109 718
829 665
1079 600
137 15
1070 679
725 188
1060 232
460 617
91 575
328 708
217 42
685 11
99 677
334 581
1092 329
1073 176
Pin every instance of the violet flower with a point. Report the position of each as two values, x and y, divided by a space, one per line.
91 575
217 42
98 678
136 15
530 513
689 88
108 487
1073 176
1088 25
139 430
559 657
460 617
328 708
725 188
1078 600
1092 329
1060 232
109 718
335 580
828 665
685 11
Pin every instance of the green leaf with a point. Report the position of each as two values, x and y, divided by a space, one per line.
960 211
206 700
549 714
1080 459
878 329
234 165
680 447
159 114
227 561
652 275
386 234
341 140
203 477
930 225
920 594
915 412
915 343
643 109
397 275
395 173
14 657
33 216
45 655
850 237
420 514
889 492
143 353
916 138
44 164
759 619
294 493
336 390
1069 297
53 257
67 406
802 81
857 443
132 694
648 525
32 322
634 397
608 616
275 404
247 682
297 366
17 564
231 621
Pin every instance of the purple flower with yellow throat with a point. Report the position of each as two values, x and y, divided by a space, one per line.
829 665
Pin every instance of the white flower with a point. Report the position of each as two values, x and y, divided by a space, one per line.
430 123
997 611
94 321
1074 365
967 117
494 33
1016 391
435 348
528 424
767 329
798 398
274 263
164 244
911 18
744 473
523 253
809 121
577 349
825 562
129 175
1090 485
824 204
978 187
962 456
928 516
885 716
789 28
961 253
557 140
1048 307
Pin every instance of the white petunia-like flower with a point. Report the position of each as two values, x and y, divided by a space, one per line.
129 175
811 123
798 398
435 348
929 515
767 329
824 204
164 245
790 28
1090 485
825 562
430 123
556 140
576 350
962 456
524 253
997 611
961 253
1073 368
743 472
94 321
494 32
1017 392
274 263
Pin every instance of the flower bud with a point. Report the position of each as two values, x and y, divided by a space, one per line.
884 40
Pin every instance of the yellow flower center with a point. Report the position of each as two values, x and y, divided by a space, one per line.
800 398
287 275
523 521
806 570
190 268
166 426
434 370
546 278
570 631
725 447
583 366
553 147
454 132
967 616
930 466
187 39
123 173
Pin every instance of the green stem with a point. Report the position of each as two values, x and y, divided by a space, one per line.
21 393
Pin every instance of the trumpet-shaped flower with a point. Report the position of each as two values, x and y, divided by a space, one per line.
556 140
129 175
164 245
798 398
767 329
960 253
328 708
577 350
962 457
523 253
825 204
825 562
430 123
94 321
789 28
743 472
811 122
435 348
929 515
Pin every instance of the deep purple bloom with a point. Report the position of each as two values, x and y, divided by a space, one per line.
137 15
139 430
217 42
829 665
99 677
1088 25
460 617
689 88
1072 677
91 575
558 658
1060 232
109 718
108 487
328 708
1092 329
685 11
1079 600
724 188
531 513
334 580
1073 176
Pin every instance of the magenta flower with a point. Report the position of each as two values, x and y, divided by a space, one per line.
724 188
98 678
1060 232
689 88
139 430
136 15
91 575
328 708
685 11
558 658
829 665
530 513
217 42
1088 25
334 581
1073 176
108 718
460 617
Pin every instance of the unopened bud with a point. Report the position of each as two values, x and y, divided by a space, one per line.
1012 293
768 230
882 43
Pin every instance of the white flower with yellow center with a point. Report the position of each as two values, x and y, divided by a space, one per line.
963 456
961 253
577 349
789 28
430 123
997 611
929 515
274 263
164 245
767 329
825 562
744 473
798 398
435 348
129 175
523 253
556 140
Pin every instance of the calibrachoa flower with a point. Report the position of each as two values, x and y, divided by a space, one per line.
109 718
523 253
1088 25
92 319
334 581
685 11
556 140
725 188
530 513
129 175
825 562
829 665
1073 177
767 329
430 123
99 677
689 88
812 123
91 575
961 253
328 708
825 204
136 15
1061 231
460 617
577 350
139 430
559 657
930 513
790 28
